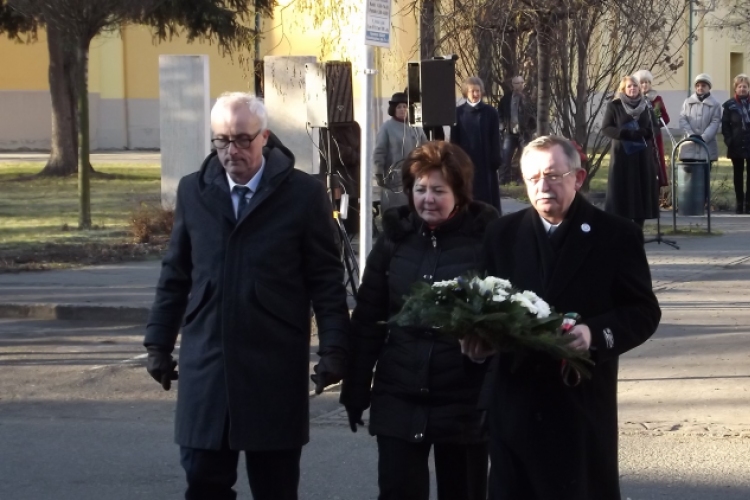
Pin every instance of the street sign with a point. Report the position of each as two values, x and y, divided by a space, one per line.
378 23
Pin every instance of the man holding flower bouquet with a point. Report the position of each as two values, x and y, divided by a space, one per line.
553 437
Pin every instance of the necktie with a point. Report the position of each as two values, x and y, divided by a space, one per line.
551 230
242 191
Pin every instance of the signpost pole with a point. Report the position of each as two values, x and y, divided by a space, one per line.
377 33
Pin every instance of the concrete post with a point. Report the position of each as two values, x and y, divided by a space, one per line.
185 128
284 96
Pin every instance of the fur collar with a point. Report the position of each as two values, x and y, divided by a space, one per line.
399 222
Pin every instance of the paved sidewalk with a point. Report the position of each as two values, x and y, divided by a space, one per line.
124 292
692 377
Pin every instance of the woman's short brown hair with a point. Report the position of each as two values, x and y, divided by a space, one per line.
448 159
472 80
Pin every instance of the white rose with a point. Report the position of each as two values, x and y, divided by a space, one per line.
499 295
498 283
445 284
525 301
483 286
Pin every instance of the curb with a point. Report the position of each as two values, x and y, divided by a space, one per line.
74 312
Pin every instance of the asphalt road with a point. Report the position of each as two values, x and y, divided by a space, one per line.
80 419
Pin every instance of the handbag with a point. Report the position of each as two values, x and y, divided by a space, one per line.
633 146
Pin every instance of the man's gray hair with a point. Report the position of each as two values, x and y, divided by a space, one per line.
547 142
234 100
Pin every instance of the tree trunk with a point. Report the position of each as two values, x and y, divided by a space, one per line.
581 96
63 158
483 43
427 29
84 187
543 70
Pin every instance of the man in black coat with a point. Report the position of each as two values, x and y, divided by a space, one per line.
251 249
552 440
517 122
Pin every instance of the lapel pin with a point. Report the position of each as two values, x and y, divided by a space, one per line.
585 228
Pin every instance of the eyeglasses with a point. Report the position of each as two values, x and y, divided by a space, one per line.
549 178
241 142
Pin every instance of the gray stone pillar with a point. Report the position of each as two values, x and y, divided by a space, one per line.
284 96
185 128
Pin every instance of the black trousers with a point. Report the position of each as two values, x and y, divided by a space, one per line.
403 472
741 186
211 474
511 144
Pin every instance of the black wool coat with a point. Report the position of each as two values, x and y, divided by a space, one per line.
477 131
425 389
632 185
526 115
736 137
242 291
563 440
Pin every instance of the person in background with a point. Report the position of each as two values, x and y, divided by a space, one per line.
660 119
700 118
632 190
394 141
425 393
477 131
518 124
735 126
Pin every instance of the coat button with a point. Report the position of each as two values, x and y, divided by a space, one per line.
538 416
419 436
424 390
426 277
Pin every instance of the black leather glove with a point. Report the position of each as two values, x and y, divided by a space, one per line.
161 366
330 369
355 417
696 137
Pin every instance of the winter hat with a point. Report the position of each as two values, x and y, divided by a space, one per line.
643 74
396 99
705 78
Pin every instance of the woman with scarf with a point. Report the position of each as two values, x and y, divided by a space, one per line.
735 126
632 182
660 118
700 118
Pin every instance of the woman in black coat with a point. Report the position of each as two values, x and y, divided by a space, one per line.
425 391
632 187
477 131
735 127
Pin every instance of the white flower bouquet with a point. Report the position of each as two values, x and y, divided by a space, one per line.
508 319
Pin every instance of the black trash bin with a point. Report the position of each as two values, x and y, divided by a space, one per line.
691 187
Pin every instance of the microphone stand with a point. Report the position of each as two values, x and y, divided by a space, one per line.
658 239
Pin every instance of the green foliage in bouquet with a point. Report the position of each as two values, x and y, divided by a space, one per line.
508 319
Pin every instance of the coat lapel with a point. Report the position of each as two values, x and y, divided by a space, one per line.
216 193
575 250
274 173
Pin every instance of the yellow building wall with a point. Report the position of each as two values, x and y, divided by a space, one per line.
141 57
25 66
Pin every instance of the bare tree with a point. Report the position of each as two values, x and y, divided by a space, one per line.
73 24
571 53
596 48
